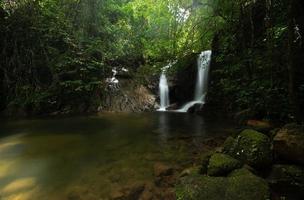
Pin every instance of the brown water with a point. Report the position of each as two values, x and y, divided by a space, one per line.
53 159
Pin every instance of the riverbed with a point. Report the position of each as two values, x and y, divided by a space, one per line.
54 158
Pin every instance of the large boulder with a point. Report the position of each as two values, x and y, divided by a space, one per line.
250 147
221 164
288 144
240 184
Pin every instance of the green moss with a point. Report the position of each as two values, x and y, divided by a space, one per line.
254 135
198 187
221 164
228 144
239 185
250 147
243 185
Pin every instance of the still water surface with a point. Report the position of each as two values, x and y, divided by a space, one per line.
54 159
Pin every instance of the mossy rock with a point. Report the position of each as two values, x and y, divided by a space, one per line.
197 187
205 162
239 185
243 185
250 147
221 164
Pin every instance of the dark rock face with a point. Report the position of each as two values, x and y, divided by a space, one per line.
288 144
182 87
221 164
250 147
128 98
240 184
161 169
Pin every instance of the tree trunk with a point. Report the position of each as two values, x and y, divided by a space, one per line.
295 58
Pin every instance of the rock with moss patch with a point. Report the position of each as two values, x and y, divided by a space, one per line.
240 184
190 171
288 144
221 164
205 162
250 147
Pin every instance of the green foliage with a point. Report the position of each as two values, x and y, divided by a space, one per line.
60 53
249 57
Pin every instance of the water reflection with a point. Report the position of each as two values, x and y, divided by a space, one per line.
94 154
177 123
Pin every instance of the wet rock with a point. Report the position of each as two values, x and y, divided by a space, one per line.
250 147
130 192
287 177
240 184
288 144
161 169
259 125
73 196
205 163
222 164
148 193
164 175
189 171
244 115
168 194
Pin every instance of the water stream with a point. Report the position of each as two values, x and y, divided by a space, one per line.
163 92
203 64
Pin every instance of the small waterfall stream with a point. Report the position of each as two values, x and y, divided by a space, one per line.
203 64
163 92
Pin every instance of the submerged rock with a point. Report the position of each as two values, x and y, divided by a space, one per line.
221 164
288 144
130 192
164 175
161 169
250 147
239 185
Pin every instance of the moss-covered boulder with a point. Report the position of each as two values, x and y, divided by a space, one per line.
221 164
239 185
243 185
250 147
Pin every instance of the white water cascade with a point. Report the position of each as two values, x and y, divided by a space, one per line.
163 92
203 64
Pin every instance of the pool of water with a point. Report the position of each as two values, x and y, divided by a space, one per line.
93 155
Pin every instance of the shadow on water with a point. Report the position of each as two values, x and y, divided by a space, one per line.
92 155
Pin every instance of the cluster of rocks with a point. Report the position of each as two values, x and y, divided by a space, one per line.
251 165
162 187
259 163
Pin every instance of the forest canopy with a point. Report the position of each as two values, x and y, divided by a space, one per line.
51 46
58 52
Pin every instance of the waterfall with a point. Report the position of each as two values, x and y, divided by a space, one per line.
163 92
203 64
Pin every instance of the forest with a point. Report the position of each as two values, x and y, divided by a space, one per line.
151 99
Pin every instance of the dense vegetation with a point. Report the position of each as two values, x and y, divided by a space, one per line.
259 54
58 53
